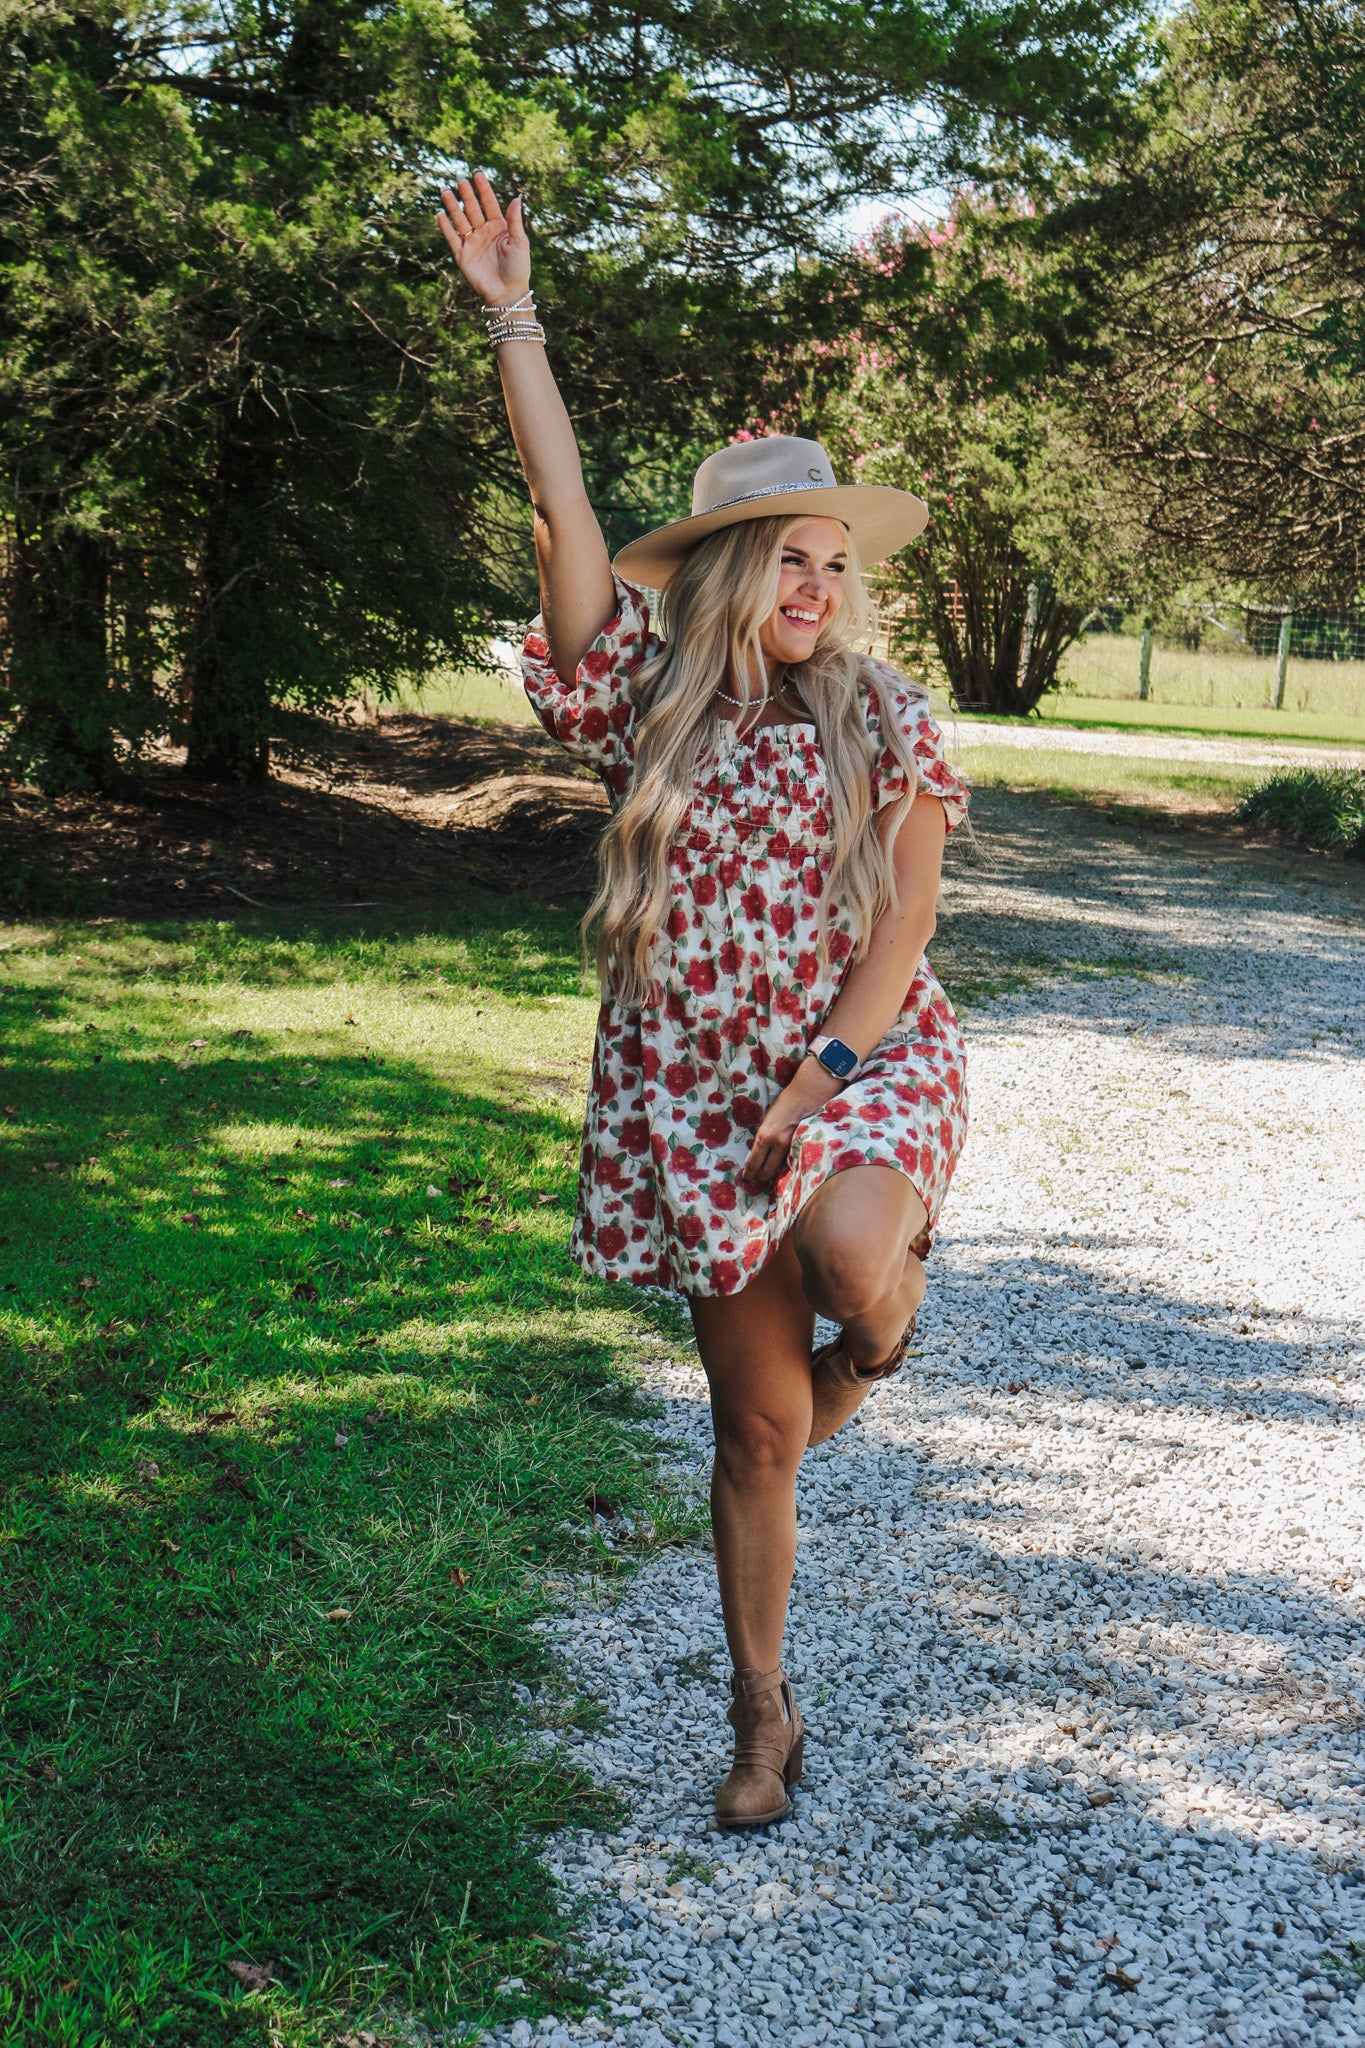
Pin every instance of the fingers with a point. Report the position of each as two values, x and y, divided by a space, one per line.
469 200
765 1159
488 198
516 225
452 234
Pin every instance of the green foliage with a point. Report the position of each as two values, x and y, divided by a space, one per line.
251 446
1221 246
960 385
1324 807
289 1444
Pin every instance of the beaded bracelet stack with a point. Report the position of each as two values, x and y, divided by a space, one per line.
514 322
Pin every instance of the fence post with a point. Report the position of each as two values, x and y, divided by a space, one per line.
1282 659
1145 665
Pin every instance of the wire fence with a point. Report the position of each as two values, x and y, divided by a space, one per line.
1229 656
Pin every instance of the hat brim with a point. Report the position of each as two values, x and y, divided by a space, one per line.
880 520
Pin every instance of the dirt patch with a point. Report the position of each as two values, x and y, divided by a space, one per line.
410 807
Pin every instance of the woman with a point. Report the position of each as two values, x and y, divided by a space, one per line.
778 1095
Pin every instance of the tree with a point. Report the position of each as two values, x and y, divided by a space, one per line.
961 383
89 176
1226 249
251 453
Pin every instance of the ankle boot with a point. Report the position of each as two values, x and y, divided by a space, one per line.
840 1388
769 1742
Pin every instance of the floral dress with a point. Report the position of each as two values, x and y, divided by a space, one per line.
680 1086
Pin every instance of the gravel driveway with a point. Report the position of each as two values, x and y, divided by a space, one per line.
1079 1625
966 733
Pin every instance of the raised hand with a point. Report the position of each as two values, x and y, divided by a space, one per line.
490 247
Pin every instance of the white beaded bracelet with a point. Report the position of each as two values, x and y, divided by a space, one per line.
514 322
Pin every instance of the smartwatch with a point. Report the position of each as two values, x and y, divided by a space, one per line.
835 1057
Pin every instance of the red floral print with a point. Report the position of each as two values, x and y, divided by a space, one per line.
679 1086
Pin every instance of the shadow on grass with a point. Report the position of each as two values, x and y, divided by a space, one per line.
287 1439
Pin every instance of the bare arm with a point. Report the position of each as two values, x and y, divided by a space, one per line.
577 595
870 1000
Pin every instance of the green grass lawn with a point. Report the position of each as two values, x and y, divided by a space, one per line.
305 1410
1303 729
1207 689
1107 778
469 693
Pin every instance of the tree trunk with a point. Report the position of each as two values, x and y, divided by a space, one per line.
58 660
226 674
1002 641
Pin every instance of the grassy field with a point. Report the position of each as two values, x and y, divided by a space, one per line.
1208 690
306 1415
1116 778
466 693
1202 692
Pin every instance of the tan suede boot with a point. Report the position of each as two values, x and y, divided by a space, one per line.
840 1388
769 1742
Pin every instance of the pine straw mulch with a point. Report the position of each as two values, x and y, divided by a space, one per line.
409 807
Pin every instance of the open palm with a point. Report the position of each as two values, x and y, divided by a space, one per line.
490 247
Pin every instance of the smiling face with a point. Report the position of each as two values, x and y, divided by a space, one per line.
810 590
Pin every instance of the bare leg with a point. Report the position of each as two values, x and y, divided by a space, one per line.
755 1347
850 1240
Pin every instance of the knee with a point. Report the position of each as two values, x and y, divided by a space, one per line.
842 1277
756 1450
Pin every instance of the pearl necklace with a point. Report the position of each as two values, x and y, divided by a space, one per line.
754 703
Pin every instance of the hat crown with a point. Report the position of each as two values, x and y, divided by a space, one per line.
772 465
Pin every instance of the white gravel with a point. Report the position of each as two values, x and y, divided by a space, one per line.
1079 1623
1268 752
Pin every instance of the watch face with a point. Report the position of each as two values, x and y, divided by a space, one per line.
840 1059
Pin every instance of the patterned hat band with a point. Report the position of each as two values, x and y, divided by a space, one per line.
769 491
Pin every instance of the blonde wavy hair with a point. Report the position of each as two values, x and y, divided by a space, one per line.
710 620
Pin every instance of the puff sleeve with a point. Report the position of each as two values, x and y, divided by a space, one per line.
908 704
593 717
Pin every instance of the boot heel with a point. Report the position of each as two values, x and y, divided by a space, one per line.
791 1772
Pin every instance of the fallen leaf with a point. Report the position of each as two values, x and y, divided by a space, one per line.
1017 1387
1121 1979
299 1545
147 1468
86 1282
432 1190
309 1081
350 1020
11 1110
341 1183
193 1218
459 1577
304 1290
199 1042
341 1439
305 1215
511 1226
233 1478
252 1976
546 1200
337 1614
218 1416
598 1504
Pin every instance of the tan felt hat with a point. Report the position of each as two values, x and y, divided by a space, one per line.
766 479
